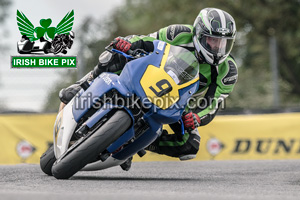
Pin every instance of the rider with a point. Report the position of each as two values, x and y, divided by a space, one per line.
211 39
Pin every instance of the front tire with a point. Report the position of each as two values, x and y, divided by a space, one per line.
90 149
47 160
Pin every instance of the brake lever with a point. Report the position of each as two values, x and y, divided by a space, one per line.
131 54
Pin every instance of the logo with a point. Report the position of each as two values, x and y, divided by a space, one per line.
24 149
214 146
223 30
267 146
232 75
106 78
230 79
44 39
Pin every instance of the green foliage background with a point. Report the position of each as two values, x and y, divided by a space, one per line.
257 21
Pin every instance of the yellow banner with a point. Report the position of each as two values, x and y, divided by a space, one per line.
24 137
269 136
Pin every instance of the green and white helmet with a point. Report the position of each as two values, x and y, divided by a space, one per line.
214 35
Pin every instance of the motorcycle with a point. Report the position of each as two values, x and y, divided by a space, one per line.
97 130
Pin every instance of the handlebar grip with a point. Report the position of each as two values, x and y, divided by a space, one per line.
130 52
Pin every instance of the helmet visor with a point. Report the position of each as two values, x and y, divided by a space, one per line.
218 46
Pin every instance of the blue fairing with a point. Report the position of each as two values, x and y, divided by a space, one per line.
134 71
100 86
128 84
131 76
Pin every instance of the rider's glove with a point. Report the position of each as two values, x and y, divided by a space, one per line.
121 44
191 121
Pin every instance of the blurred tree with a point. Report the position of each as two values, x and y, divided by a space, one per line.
260 20
256 20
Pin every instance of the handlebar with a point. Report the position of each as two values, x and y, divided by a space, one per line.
130 55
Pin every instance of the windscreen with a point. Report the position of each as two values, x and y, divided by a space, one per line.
181 65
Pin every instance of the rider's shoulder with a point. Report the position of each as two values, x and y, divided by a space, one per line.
176 32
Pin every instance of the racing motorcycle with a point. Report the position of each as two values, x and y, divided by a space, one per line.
97 130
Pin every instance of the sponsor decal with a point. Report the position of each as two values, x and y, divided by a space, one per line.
267 146
232 75
44 39
214 146
106 78
160 45
223 30
25 149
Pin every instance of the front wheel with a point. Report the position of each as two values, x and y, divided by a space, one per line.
47 160
90 149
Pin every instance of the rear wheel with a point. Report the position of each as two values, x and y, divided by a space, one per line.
47 160
90 149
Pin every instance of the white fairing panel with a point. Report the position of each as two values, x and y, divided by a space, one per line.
63 129
109 162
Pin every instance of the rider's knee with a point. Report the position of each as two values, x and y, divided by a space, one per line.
67 94
191 146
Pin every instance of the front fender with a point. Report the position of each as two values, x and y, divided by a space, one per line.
64 127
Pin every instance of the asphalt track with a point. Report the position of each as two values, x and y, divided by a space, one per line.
159 180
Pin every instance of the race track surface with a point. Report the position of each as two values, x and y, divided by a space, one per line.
159 180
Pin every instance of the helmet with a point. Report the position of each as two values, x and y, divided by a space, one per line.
213 35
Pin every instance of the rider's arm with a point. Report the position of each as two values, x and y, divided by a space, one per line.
173 34
178 34
113 62
222 83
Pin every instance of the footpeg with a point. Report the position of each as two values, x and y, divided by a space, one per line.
141 153
127 164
